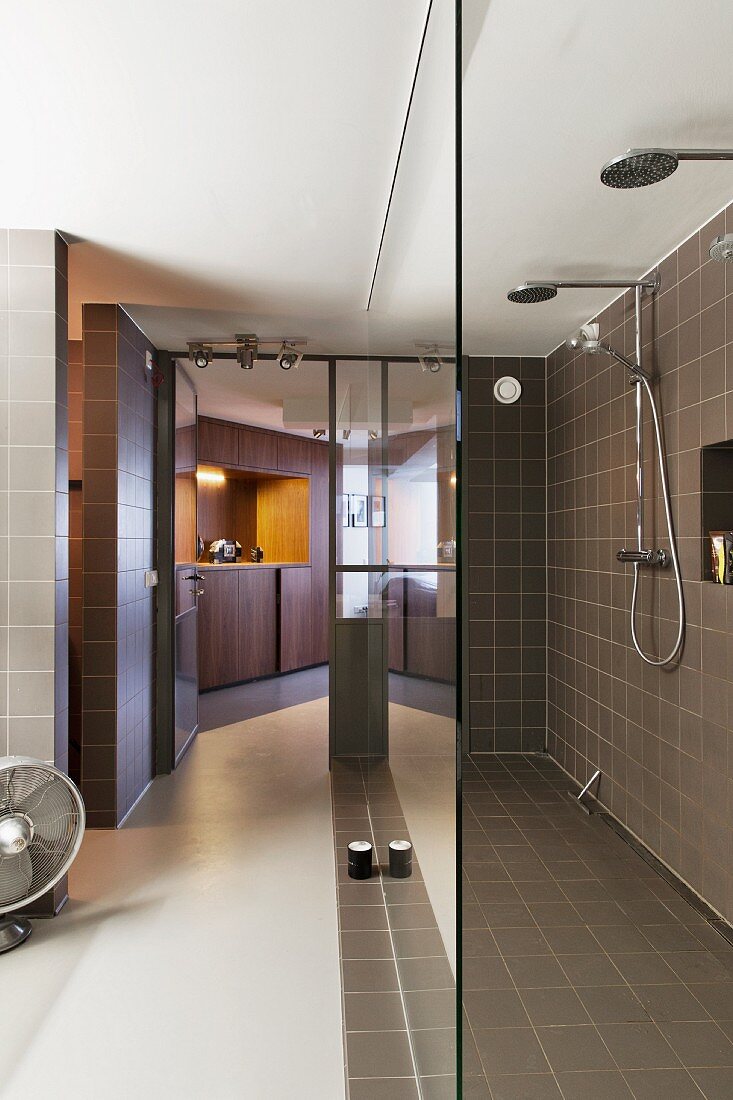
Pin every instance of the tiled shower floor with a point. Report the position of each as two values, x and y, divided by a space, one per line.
585 975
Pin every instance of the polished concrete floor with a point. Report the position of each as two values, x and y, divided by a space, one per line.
224 706
586 976
198 956
423 766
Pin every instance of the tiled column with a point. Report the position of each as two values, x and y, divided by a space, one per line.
118 611
34 512
33 495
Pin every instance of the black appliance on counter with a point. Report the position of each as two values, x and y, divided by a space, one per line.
225 550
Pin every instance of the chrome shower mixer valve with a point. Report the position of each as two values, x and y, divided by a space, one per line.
644 557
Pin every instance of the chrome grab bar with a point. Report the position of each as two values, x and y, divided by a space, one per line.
644 557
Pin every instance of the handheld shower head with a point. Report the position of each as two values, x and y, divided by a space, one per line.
639 168
529 293
586 339
721 248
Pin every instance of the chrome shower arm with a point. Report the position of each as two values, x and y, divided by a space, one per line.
623 284
704 154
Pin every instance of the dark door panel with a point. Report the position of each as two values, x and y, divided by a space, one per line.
257 623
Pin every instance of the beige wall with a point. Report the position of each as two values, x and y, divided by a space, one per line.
33 495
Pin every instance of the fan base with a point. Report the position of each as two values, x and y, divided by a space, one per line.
14 930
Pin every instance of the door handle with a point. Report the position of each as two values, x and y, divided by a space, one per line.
193 577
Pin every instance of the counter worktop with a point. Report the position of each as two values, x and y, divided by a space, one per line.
253 565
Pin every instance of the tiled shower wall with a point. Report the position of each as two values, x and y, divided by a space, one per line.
662 738
33 495
117 750
506 556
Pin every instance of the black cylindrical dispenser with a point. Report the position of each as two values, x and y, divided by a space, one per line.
400 858
360 859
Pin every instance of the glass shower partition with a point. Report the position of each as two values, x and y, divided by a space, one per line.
394 673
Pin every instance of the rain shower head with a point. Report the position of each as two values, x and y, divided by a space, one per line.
536 291
529 293
639 168
721 249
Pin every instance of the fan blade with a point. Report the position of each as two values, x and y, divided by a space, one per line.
16 875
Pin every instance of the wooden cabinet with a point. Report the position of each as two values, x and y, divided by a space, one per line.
218 444
218 628
295 619
257 450
294 454
257 623
319 553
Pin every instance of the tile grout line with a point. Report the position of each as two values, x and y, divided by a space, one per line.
624 982
392 944
347 1090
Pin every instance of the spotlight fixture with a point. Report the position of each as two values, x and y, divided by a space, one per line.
372 434
288 355
318 433
430 359
246 350
200 354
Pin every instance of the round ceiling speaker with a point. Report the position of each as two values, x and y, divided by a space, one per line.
507 390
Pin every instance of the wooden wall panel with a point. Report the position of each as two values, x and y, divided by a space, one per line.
294 454
257 623
185 513
215 513
257 450
295 619
283 519
218 442
245 514
319 552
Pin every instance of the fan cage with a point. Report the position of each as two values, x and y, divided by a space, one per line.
52 804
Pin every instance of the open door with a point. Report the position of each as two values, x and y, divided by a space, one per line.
188 581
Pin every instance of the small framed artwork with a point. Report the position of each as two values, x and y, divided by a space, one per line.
358 510
377 509
345 510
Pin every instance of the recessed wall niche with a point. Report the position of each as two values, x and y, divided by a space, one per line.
256 509
717 497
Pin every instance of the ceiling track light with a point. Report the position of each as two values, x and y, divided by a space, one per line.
373 434
200 354
246 350
346 434
430 358
289 356
318 433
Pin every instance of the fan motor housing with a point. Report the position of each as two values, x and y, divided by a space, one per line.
16 833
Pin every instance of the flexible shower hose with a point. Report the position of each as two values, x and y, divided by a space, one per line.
660 662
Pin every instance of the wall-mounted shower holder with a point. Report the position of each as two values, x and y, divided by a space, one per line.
644 557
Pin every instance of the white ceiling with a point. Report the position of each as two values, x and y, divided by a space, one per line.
552 91
226 167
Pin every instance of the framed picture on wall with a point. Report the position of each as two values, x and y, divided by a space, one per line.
345 510
377 512
358 510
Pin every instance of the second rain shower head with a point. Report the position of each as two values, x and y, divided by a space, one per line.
642 167
530 293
